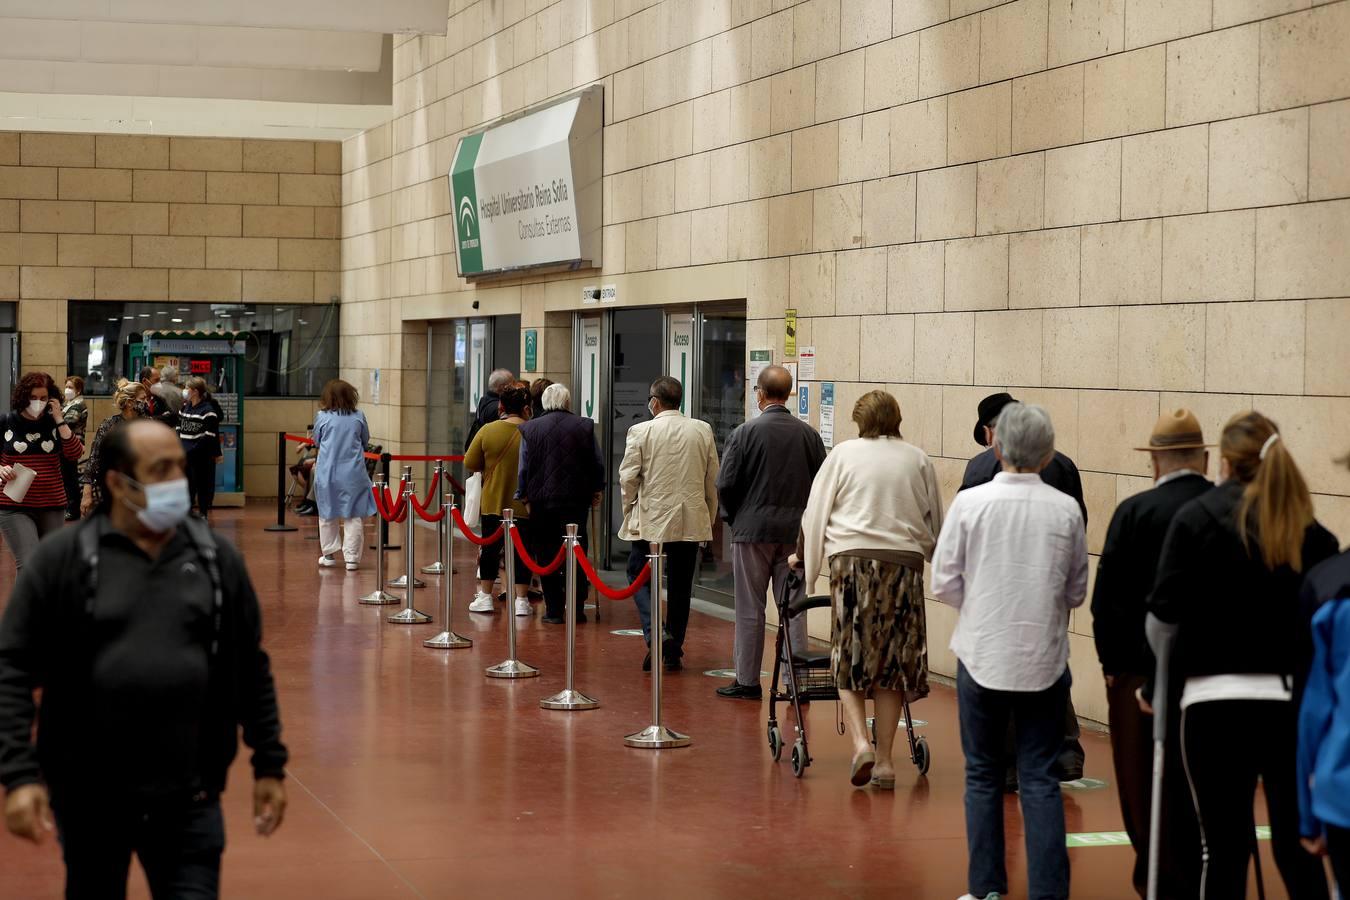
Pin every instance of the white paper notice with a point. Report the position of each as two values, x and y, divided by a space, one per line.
19 482
806 357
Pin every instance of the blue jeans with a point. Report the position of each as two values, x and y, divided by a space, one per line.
1038 720
681 557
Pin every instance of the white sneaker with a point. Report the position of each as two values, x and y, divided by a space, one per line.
328 562
973 897
352 567
482 603
523 608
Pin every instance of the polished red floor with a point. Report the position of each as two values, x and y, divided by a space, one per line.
414 775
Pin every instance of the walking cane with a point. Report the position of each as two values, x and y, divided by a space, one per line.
1161 637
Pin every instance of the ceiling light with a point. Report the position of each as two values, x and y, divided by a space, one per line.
143 315
175 320
302 321
114 319
185 309
161 312
128 317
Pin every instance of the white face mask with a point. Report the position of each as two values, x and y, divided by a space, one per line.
35 407
166 504
70 393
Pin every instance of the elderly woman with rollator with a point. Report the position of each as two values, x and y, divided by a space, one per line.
870 523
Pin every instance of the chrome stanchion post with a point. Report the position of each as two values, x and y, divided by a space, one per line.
378 597
408 615
439 566
570 697
447 639
657 736
510 667
402 581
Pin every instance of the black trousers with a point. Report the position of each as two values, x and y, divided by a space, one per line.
1132 752
70 478
1222 767
179 845
681 558
490 557
201 473
548 527
1338 849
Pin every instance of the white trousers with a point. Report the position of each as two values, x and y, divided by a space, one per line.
347 534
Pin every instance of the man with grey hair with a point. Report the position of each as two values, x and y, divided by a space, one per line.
489 405
561 476
1012 559
168 389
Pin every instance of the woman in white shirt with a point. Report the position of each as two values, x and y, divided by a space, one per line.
871 522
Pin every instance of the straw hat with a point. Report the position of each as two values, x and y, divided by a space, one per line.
1177 429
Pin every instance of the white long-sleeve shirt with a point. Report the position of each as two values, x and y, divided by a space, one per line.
1012 559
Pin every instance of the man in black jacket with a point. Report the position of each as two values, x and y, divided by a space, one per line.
144 635
765 480
1125 576
1060 473
489 405
561 476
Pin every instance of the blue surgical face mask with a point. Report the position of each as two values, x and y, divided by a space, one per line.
167 504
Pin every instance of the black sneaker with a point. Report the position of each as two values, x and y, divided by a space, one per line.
647 662
674 665
740 691
552 620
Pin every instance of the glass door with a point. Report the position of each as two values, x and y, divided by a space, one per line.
637 337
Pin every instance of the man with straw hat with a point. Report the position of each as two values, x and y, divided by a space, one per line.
1125 576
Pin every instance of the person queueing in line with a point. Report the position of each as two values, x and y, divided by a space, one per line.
1012 560
495 451
144 637
131 404
1060 473
669 482
488 409
342 488
1324 717
76 414
561 476
1125 576
34 435
199 419
871 521
765 480
1229 578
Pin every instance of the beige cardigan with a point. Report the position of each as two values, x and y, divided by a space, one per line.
669 480
871 494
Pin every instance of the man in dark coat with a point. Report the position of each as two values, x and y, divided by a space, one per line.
1125 576
1061 474
489 405
765 480
561 476
143 633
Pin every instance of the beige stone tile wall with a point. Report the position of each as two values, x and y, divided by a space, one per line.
1107 206
148 218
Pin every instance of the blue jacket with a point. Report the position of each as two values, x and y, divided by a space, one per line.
341 483
560 463
1324 717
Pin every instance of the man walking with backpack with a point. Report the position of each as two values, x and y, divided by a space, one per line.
144 635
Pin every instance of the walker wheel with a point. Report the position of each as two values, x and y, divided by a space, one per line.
922 758
799 759
775 743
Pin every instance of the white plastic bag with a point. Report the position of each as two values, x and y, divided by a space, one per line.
473 500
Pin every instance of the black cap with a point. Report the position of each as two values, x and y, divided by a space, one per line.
989 409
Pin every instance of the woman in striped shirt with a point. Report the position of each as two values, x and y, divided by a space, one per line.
199 429
34 435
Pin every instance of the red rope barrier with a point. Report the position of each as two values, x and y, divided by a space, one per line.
530 563
606 590
386 506
473 538
422 510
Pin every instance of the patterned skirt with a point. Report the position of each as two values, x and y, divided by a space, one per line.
879 640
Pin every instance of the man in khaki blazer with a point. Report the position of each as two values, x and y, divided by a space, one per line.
669 481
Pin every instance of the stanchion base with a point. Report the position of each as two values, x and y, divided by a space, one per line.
512 668
657 737
435 568
569 700
448 640
402 582
379 598
280 528
408 617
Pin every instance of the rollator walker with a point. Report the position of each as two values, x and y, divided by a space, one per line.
808 677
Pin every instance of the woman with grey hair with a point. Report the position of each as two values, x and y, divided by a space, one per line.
1012 560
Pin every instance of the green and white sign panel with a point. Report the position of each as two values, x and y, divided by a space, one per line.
527 192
